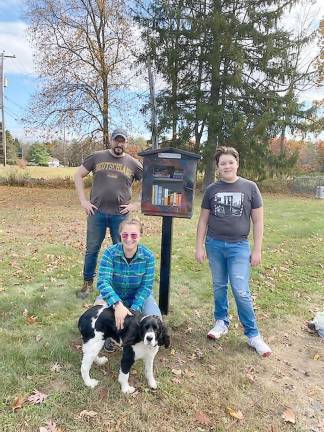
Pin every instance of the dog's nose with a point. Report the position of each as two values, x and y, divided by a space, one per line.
149 338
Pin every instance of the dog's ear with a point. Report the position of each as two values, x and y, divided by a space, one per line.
131 334
164 338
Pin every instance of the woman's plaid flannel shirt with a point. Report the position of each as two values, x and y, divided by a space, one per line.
131 283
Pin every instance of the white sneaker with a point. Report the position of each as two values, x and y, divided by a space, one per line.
219 329
260 346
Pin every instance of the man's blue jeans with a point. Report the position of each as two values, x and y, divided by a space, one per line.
231 262
97 225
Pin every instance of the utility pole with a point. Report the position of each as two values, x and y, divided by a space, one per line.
3 150
64 145
155 144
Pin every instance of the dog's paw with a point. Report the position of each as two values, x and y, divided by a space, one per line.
92 383
128 390
101 360
152 384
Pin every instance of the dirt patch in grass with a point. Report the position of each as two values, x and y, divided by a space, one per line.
56 386
227 375
296 372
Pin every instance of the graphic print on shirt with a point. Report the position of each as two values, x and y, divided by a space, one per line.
228 204
112 168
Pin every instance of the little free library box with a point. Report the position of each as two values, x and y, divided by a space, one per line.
169 181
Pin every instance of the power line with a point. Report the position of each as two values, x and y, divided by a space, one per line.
15 103
12 115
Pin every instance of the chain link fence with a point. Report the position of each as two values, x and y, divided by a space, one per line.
306 185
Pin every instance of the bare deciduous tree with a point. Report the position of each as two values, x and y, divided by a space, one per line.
83 54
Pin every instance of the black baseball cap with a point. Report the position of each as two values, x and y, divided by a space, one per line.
119 132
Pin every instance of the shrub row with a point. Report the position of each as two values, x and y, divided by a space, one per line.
299 185
18 178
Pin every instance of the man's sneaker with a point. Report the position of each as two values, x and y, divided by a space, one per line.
219 329
85 290
109 346
260 346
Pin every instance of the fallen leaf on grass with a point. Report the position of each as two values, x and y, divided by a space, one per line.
289 416
250 377
177 372
235 414
38 338
199 354
88 414
32 319
320 426
18 403
175 380
77 347
189 373
56 367
36 397
103 393
202 418
50 427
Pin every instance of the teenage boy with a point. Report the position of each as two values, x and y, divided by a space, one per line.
227 207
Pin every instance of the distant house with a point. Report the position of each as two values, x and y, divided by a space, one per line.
53 162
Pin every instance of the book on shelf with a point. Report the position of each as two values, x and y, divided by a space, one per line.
161 172
163 196
178 174
168 173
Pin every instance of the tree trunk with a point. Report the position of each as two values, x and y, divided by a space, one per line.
214 116
209 176
105 127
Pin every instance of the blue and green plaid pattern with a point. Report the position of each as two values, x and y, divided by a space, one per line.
119 280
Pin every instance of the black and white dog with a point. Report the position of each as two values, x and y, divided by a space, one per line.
141 338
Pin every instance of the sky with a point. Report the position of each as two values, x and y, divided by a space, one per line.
22 80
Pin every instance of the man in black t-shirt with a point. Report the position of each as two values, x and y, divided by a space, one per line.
114 172
224 225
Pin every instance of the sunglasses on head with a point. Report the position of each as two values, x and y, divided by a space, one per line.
133 236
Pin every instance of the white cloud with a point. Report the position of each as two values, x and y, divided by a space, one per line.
311 95
13 40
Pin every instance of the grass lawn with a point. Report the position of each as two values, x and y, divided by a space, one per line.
38 171
203 385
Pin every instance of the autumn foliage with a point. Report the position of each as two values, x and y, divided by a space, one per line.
310 153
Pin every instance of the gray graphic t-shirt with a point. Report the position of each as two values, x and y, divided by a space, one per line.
112 179
230 206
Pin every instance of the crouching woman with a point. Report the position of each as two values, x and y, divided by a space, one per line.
126 276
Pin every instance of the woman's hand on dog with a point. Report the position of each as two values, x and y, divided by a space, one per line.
121 313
